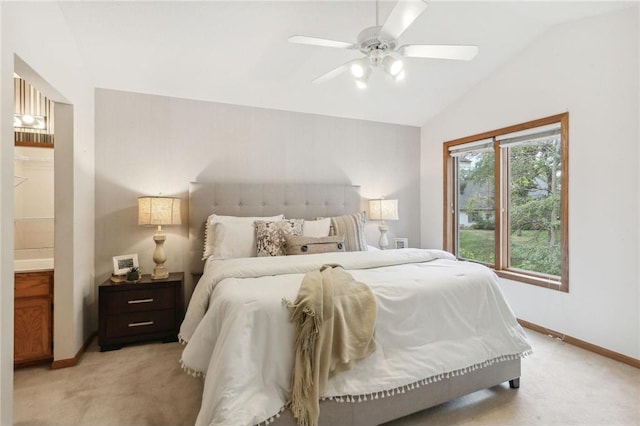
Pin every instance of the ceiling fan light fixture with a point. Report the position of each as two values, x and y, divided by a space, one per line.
392 66
360 68
357 70
400 76
361 71
361 83
397 67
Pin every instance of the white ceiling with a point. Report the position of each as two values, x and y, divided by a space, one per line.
237 51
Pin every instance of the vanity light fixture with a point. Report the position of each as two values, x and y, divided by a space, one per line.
28 121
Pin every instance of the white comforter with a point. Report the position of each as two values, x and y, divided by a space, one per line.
436 315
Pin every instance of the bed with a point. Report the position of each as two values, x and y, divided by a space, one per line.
443 328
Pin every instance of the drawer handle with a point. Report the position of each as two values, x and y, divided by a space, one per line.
131 302
140 324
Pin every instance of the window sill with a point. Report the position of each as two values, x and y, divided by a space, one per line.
530 279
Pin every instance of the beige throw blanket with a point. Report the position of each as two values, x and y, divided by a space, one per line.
335 320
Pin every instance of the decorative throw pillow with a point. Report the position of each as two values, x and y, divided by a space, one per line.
352 228
316 228
270 235
209 231
311 245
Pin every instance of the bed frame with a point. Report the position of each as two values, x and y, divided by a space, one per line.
308 201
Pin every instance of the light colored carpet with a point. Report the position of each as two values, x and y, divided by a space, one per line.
144 385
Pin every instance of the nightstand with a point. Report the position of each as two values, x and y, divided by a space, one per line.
146 310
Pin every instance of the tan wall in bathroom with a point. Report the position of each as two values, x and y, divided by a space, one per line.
34 197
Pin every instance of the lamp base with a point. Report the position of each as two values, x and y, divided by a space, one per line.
384 241
160 272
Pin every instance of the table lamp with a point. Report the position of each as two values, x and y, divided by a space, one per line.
382 209
159 211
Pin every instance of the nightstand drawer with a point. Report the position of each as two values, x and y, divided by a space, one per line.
150 299
139 323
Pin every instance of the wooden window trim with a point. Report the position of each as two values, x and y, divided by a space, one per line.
501 238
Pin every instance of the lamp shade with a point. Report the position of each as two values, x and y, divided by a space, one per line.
158 211
382 209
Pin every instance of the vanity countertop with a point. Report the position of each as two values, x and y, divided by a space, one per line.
31 265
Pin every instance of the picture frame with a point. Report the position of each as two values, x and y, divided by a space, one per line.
401 243
122 263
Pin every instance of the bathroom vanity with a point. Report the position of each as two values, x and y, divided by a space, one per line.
33 318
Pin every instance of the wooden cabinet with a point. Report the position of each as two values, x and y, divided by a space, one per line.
33 318
147 310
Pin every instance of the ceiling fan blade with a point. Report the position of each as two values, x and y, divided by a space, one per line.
320 42
334 72
435 51
402 16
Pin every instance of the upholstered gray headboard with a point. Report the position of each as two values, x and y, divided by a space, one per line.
304 201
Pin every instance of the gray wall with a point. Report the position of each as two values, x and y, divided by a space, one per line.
147 145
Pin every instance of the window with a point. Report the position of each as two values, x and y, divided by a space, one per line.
506 198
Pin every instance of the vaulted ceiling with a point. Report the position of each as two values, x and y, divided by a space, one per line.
237 51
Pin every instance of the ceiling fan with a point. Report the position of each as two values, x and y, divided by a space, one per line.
380 47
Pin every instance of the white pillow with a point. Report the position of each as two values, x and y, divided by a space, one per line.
244 239
316 228
233 239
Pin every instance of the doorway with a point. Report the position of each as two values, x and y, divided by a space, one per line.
64 313
34 129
